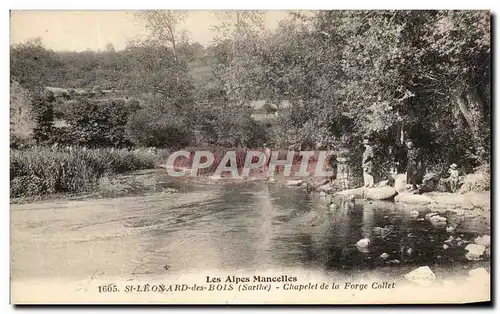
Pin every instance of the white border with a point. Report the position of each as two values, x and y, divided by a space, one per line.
195 5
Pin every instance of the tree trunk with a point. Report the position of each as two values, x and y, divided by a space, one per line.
472 109
174 49
237 32
402 134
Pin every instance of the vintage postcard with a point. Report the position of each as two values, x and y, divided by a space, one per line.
250 157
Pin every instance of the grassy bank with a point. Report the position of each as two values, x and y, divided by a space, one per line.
46 171
43 171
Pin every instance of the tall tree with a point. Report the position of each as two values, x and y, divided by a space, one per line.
235 25
164 26
237 32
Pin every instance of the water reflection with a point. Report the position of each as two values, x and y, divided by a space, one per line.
257 225
252 226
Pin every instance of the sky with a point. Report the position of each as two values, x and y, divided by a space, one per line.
83 30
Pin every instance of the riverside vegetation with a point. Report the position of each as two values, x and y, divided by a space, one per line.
42 170
326 79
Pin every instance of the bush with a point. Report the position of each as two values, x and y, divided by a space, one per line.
149 128
20 142
478 181
98 123
21 117
231 127
42 171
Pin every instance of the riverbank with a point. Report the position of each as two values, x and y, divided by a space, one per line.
42 171
470 200
473 201
153 181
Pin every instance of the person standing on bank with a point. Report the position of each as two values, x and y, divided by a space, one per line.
412 165
367 164
267 154
343 172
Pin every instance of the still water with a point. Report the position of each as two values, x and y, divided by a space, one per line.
248 225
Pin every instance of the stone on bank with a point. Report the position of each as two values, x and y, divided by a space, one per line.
422 276
475 251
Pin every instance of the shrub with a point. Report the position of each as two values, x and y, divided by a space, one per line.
231 127
150 128
98 123
21 117
20 142
42 170
478 181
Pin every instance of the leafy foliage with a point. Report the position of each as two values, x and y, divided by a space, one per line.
392 75
147 128
99 123
348 74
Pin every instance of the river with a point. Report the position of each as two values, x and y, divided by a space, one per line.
247 225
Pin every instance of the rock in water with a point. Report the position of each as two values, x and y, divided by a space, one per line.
363 243
437 218
400 183
438 221
475 251
381 193
414 213
294 182
384 256
412 199
422 276
394 261
170 190
378 231
429 215
382 232
326 188
382 183
484 240
359 192
479 276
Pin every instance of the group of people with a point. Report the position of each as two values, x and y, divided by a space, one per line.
407 160
403 160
